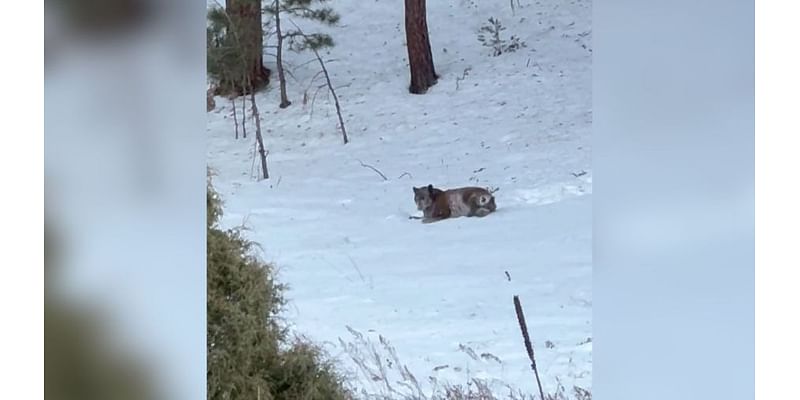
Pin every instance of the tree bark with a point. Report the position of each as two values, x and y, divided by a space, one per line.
279 57
420 56
251 32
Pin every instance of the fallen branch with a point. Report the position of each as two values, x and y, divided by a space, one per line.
463 76
374 169
355 266
578 174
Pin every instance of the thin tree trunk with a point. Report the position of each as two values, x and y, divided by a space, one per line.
279 57
330 87
210 103
335 97
235 120
420 56
259 138
244 111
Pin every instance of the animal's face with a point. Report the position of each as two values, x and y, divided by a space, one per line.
423 197
491 204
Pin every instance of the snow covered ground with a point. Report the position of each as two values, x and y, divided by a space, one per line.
340 234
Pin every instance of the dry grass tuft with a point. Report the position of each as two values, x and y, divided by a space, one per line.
389 379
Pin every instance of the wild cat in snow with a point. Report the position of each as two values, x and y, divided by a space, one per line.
437 204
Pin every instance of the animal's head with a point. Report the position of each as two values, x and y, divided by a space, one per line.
484 200
423 196
490 204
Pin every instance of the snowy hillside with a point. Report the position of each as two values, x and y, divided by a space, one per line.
340 234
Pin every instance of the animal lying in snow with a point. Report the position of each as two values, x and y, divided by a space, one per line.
437 204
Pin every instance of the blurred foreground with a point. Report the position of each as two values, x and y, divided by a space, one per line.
124 210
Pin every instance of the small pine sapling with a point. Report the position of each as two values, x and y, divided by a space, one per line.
489 36
314 10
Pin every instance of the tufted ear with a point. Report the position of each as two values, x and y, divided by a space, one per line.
430 191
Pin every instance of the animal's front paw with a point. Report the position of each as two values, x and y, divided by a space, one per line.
482 212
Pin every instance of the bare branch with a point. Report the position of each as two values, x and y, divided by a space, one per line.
302 64
313 78
314 99
463 76
374 169
578 174
330 87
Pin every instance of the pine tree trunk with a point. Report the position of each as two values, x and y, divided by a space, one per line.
279 57
251 32
420 56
